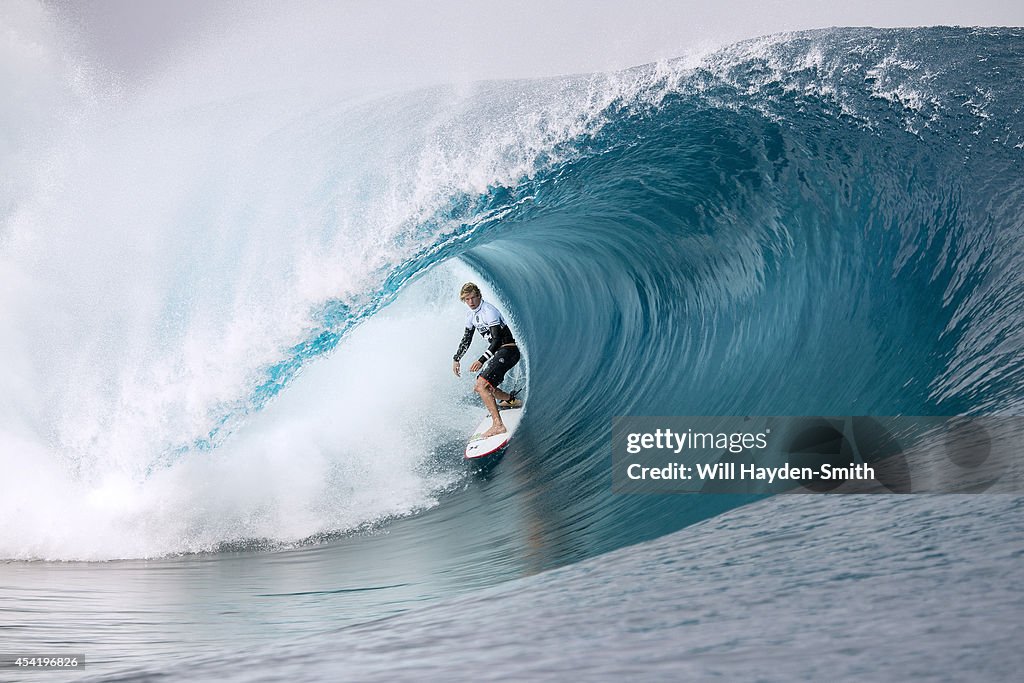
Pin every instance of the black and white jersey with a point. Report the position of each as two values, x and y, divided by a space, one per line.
487 320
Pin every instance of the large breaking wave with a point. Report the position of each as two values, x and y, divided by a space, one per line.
218 308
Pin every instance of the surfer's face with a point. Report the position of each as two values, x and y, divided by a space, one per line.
472 300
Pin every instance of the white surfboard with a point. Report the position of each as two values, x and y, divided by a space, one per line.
479 447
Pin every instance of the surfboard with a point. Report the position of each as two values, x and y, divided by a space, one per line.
479 447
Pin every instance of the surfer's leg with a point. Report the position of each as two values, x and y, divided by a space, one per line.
503 361
487 385
486 391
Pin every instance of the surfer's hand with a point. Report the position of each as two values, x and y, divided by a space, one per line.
475 366
456 369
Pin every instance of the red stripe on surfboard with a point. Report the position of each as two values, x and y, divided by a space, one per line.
490 452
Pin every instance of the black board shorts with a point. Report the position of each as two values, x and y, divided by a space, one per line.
500 363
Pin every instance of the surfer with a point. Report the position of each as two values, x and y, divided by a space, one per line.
502 353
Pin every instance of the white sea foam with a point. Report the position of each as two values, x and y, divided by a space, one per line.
363 435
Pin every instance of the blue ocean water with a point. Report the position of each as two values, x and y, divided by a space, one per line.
821 223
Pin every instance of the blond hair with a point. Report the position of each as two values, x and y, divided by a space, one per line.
467 289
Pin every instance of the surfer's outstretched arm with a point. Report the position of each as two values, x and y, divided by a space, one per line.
467 339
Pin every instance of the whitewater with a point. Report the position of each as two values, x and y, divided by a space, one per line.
228 422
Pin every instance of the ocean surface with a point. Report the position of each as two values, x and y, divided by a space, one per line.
230 438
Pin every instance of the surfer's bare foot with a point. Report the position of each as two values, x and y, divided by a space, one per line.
495 430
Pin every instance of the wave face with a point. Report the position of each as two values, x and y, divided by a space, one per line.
819 223
828 223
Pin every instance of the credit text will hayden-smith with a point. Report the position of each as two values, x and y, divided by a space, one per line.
728 471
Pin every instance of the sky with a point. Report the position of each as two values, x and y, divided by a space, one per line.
472 39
